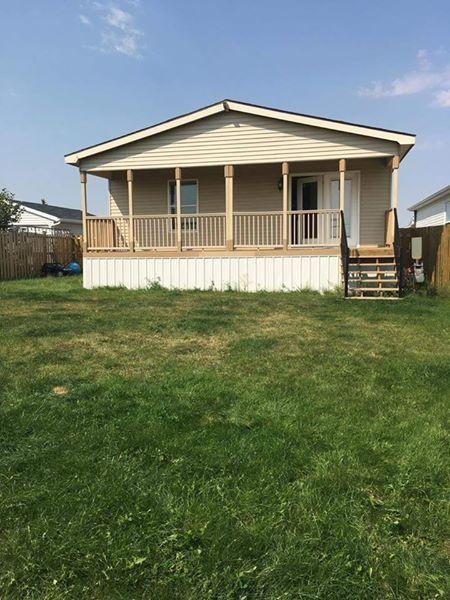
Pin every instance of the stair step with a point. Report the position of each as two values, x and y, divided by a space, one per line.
373 298
356 261
374 279
372 275
374 289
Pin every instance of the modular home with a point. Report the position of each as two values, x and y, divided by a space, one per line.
241 196
44 217
432 210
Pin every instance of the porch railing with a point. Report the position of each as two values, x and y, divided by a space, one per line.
203 230
107 233
208 230
258 229
154 232
314 228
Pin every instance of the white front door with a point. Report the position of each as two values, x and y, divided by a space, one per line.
351 203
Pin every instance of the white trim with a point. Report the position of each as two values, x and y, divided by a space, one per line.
39 213
355 174
355 178
406 141
429 199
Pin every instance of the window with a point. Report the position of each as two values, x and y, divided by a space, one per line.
447 212
189 197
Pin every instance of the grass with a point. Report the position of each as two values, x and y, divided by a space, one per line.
167 445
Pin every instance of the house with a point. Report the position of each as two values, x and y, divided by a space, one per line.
45 217
432 210
236 195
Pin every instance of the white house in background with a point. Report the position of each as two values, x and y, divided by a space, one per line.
433 210
46 217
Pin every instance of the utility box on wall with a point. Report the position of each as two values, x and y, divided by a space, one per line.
416 248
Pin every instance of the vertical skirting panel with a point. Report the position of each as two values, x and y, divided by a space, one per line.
245 273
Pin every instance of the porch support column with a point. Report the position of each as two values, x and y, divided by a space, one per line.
178 203
285 175
130 211
229 174
394 182
342 166
83 179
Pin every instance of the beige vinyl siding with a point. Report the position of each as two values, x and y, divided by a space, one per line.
375 185
256 189
150 191
237 138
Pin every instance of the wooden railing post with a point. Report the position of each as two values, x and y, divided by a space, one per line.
394 182
229 174
285 175
342 166
178 206
83 180
130 211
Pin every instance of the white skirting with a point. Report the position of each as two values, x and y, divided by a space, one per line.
246 273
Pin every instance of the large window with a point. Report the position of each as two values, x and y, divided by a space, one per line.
189 197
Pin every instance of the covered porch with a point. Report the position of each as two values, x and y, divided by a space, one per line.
256 208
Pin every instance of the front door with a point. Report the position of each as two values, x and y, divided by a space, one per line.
351 202
306 194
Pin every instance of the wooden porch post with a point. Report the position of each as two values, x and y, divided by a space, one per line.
83 180
130 211
229 174
342 166
394 182
178 202
285 175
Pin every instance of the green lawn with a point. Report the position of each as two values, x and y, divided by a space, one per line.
166 445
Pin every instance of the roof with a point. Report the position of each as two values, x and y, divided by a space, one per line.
60 212
405 140
429 199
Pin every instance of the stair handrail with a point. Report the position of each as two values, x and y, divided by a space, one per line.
345 253
397 247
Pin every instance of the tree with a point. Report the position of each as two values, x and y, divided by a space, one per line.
10 210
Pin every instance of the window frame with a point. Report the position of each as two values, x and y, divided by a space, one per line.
189 180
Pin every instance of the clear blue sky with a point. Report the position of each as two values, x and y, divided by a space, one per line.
76 72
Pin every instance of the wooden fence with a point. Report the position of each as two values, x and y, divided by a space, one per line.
435 250
22 253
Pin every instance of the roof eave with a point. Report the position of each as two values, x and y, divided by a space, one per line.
430 199
405 140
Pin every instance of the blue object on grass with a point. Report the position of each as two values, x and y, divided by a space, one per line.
73 268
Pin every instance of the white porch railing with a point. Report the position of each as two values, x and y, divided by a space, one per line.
258 229
208 230
203 230
154 232
314 228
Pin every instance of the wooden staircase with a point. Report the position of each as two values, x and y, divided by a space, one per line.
373 272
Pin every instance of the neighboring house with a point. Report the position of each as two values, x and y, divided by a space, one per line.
242 196
432 210
45 217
